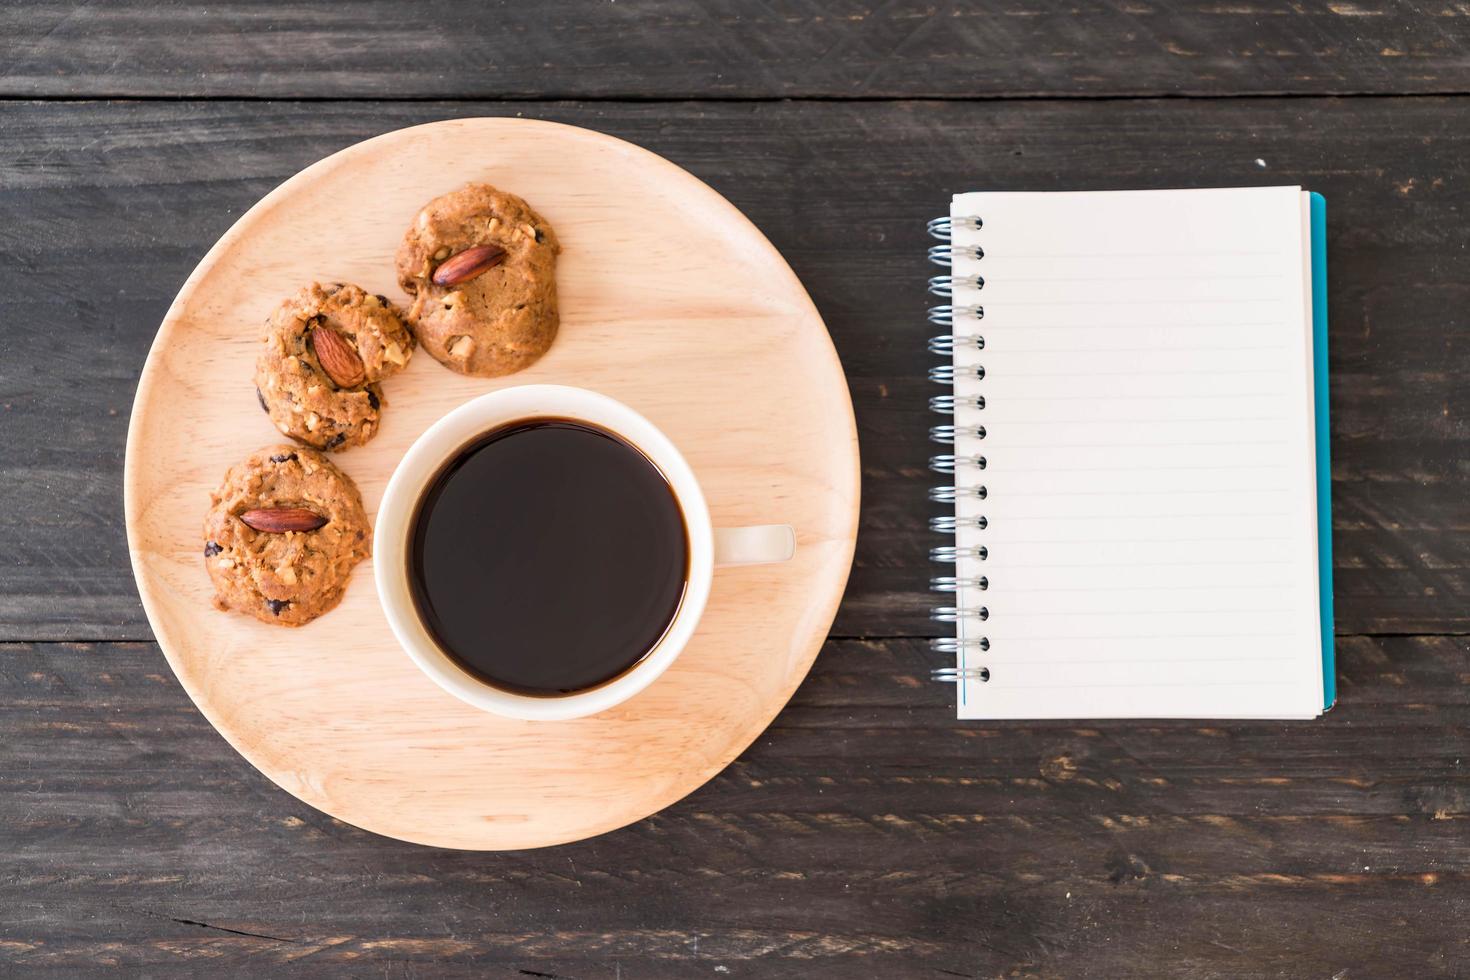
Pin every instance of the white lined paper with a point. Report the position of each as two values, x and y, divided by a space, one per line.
1151 506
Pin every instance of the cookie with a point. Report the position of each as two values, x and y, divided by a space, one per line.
480 265
282 534
326 350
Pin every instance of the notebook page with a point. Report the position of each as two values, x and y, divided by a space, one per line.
1148 440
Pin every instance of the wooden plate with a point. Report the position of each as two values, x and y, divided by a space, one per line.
672 302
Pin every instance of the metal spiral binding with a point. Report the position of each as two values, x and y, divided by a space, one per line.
944 314
947 433
953 553
953 614
949 583
946 404
953 644
953 675
945 254
944 285
948 495
948 523
949 463
947 374
946 345
940 228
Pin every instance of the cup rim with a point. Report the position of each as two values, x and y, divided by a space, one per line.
425 458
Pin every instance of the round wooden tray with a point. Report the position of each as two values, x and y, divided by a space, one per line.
672 302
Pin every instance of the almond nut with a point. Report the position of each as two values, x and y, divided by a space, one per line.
337 358
279 520
468 264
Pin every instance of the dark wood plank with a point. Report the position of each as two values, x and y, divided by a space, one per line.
108 206
729 49
866 834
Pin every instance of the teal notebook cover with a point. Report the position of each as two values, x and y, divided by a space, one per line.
1324 458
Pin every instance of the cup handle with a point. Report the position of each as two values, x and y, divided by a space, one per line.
759 544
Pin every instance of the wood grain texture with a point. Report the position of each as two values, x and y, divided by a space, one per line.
129 196
739 374
866 834
730 49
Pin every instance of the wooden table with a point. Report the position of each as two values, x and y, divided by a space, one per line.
867 833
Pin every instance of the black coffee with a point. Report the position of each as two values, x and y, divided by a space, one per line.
548 557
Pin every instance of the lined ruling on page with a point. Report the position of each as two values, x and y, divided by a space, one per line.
1148 438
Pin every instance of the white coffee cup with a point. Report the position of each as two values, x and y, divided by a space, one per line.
708 546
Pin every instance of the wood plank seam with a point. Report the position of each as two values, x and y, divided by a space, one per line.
632 99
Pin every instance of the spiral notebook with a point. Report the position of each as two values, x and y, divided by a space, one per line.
1137 456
